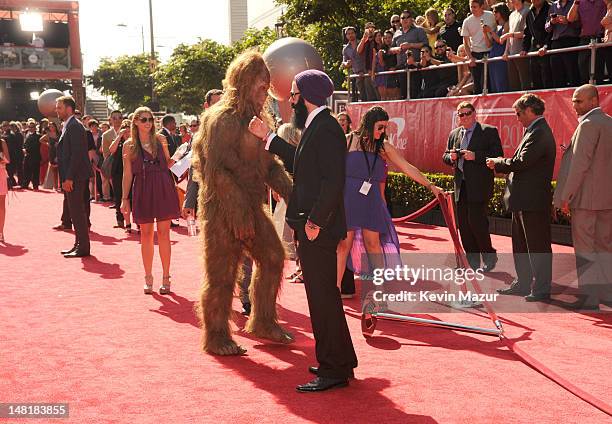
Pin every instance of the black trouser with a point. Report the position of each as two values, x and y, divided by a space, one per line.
67 218
15 169
541 75
478 72
118 194
76 206
348 282
532 250
416 80
333 344
564 66
473 226
99 185
31 172
584 62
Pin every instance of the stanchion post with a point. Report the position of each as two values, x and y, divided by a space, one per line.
592 67
407 84
485 75
348 87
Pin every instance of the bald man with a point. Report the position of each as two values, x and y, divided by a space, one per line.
583 189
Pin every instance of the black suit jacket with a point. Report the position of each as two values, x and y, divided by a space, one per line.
72 156
172 144
32 147
318 165
531 169
485 143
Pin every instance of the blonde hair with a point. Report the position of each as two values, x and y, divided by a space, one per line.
136 143
290 134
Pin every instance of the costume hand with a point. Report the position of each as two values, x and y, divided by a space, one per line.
258 128
490 163
244 230
67 186
468 155
187 212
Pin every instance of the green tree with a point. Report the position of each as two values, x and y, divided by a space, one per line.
320 22
190 72
126 79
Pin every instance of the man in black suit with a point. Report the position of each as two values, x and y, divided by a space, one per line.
529 197
75 171
31 162
468 147
169 131
316 212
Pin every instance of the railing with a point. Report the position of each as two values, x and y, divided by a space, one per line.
50 59
592 46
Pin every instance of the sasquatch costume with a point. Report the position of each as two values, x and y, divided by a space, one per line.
233 170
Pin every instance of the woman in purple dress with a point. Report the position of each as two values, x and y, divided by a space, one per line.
145 171
369 225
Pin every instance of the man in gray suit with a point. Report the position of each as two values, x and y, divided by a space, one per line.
528 196
582 189
75 171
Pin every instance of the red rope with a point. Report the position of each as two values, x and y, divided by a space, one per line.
447 206
416 214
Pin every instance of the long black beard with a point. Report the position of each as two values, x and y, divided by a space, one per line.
300 114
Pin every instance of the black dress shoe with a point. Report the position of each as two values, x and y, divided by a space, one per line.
514 289
315 371
65 252
62 227
543 297
490 264
76 254
320 384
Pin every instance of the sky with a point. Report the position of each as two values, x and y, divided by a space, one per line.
174 22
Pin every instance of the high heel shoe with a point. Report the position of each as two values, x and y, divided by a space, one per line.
165 287
148 286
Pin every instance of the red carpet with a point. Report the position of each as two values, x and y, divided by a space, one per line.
82 332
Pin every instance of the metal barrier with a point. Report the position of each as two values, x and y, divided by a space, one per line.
12 57
592 46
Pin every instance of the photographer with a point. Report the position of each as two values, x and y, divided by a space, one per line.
468 147
116 150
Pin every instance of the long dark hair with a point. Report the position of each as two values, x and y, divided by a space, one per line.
365 132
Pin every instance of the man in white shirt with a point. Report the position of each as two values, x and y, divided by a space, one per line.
474 39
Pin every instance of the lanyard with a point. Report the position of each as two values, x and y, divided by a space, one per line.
370 171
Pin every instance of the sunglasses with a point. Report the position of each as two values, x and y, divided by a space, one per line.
406 17
194 125
292 94
145 120
440 47
395 21
381 128
462 114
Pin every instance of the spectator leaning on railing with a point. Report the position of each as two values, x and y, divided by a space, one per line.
366 47
498 71
518 69
408 41
390 64
538 40
355 62
590 14
564 34
450 32
474 39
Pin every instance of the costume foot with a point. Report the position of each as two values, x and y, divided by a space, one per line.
273 332
226 348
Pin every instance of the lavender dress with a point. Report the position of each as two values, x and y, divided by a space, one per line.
154 195
368 211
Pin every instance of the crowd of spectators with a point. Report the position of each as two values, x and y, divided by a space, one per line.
33 158
507 30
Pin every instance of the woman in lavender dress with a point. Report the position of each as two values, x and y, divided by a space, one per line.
370 229
145 170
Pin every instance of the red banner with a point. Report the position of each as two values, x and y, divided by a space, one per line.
420 128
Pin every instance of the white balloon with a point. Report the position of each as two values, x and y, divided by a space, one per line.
46 102
286 58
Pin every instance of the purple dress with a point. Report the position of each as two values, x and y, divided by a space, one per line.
368 211
154 195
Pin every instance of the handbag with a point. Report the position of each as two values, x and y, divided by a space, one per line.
107 167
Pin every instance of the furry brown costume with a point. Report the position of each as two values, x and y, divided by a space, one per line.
233 169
